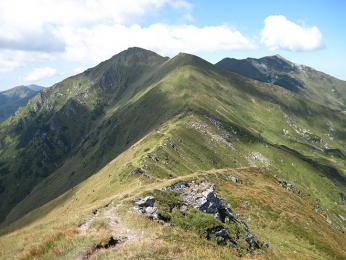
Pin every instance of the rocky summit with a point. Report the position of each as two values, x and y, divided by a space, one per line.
150 157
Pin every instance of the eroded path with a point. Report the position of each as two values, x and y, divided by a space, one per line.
110 219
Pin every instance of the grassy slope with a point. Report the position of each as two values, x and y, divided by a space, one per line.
284 219
68 119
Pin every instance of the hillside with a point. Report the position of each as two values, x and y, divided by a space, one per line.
140 122
14 98
313 84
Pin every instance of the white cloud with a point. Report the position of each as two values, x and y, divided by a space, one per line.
40 73
281 33
94 30
36 13
29 29
11 59
102 41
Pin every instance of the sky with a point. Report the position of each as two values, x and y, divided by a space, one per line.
45 41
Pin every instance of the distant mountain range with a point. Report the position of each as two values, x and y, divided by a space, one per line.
149 157
14 98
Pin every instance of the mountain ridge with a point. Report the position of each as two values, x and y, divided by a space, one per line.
16 97
302 79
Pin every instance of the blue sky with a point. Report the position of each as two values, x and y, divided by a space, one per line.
45 41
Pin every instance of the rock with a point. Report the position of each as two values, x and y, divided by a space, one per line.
233 179
203 197
265 245
146 202
138 171
222 235
183 208
251 240
153 157
151 210
170 142
288 186
176 186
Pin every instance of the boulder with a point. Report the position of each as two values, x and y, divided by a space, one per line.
146 202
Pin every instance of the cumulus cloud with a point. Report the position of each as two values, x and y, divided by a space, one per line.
11 59
39 41
94 30
281 33
40 73
30 29
102 41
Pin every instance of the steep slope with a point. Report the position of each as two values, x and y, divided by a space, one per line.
180 117
304 80
69 119
12 99
72 225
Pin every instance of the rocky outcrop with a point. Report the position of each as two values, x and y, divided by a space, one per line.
201 196
146 202
290 187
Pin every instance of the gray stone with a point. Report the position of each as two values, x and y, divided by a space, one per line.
153 157
223 237
233 179
251 240
170 143
146 202
176 186
288 186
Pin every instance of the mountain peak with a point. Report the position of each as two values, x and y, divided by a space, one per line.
182 59
278 58
136 51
